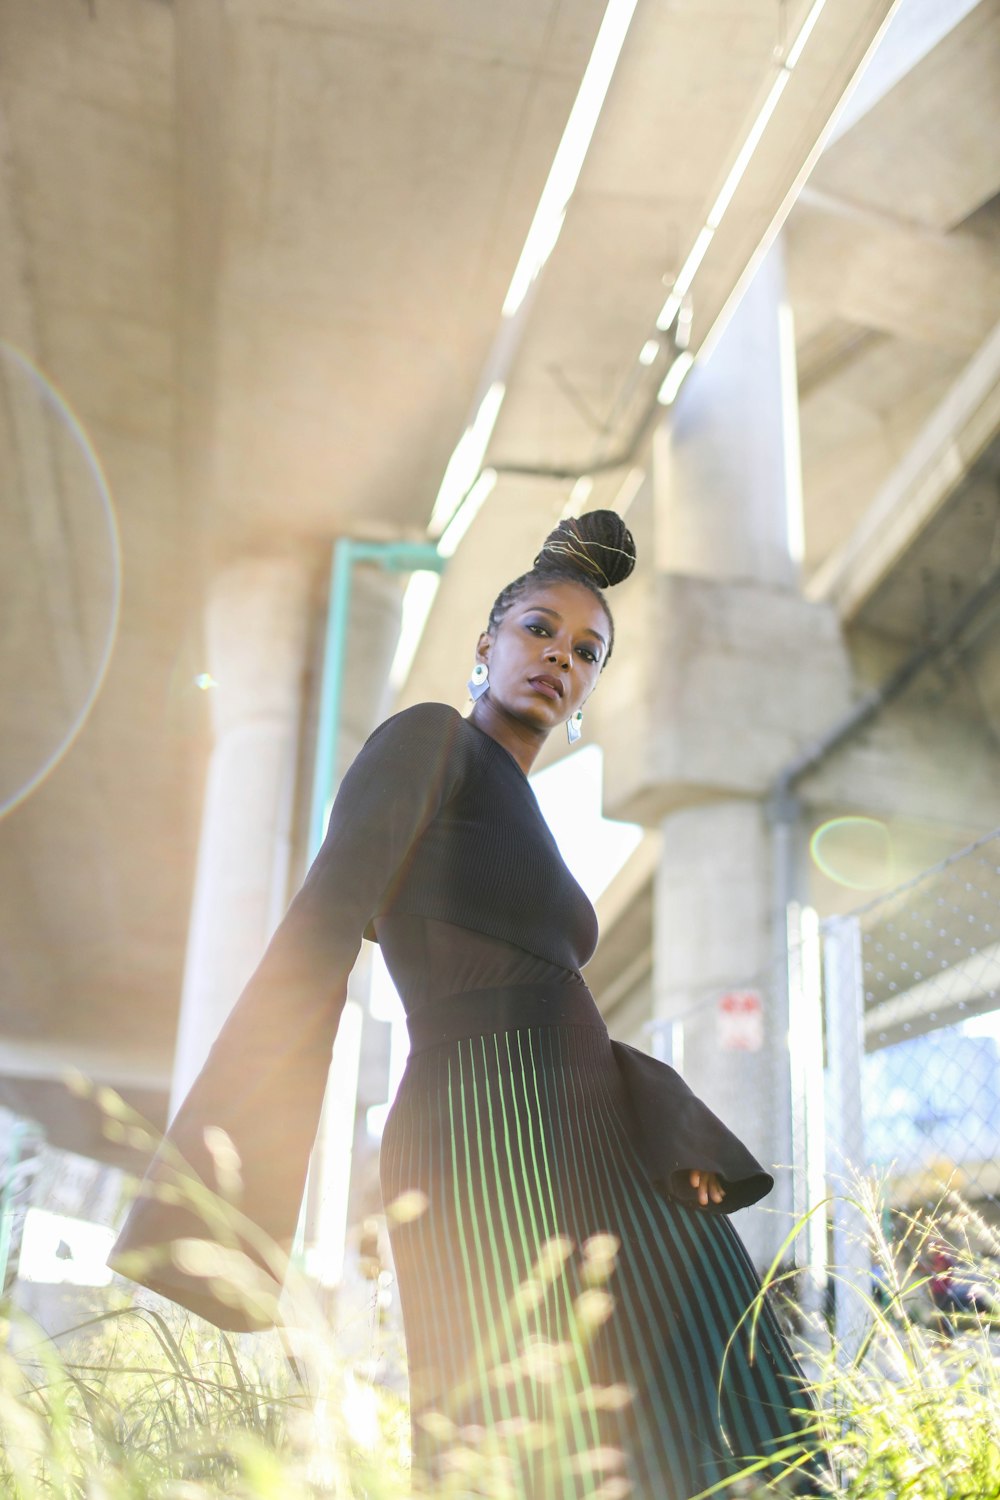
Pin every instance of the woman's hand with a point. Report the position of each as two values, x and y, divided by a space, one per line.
708 1186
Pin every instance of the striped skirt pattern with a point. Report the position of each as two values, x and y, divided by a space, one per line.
571 1331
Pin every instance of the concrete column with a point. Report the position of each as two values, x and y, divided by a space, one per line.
727 581
256 635
725 461
713 936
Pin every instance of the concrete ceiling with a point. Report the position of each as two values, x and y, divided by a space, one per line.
262 250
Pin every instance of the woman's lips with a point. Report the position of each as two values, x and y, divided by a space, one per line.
542 685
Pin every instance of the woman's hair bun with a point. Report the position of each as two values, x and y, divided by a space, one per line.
597 546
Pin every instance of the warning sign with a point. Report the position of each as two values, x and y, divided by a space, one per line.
741 1021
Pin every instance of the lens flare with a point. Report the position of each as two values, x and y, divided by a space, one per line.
854 852
60 577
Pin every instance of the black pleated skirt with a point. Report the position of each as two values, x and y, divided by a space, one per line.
562 1316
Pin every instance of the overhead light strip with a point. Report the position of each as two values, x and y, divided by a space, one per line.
466 513
463 488
467 459
668 312
418 597
688 270
674 378
717 329
569 158
805 32
460 478
747 150
687 273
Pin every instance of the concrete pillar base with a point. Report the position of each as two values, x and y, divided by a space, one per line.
723 684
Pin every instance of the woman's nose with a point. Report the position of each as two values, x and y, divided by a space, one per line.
559 658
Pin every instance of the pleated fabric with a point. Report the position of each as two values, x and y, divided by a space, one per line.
526 1206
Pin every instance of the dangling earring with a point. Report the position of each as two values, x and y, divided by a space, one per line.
574 726
479 681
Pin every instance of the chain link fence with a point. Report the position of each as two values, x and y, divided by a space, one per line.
894 1070
929 960
894 1043
911 1057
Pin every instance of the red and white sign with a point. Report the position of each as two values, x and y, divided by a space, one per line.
741 1021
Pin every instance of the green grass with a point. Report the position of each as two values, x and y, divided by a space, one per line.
914 1410
138 1404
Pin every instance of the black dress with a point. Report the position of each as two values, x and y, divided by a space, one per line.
538 1178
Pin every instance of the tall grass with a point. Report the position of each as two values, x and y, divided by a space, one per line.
138 1404
144 1401
909 1401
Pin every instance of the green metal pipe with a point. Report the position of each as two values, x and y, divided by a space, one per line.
395 557
331 692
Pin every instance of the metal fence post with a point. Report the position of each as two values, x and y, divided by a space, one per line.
805 1057
844 988
7 1199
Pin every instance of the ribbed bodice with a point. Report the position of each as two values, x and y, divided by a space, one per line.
482 857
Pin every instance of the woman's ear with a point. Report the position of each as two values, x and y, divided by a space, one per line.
483 647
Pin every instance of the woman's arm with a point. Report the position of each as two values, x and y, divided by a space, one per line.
264 1079
674 1128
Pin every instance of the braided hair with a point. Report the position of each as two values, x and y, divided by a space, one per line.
595 550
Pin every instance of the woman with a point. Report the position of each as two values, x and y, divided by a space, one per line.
548 1161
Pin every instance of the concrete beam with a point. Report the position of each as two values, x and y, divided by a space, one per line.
914 31
873 271
828 351
946 448
962 990
916 765
925 153
751 676
54 1059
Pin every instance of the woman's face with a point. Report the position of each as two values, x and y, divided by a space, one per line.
547 654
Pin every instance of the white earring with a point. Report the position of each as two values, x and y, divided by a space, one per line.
574 726
479 681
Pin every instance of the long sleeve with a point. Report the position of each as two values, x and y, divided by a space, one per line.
676 1132
264 1079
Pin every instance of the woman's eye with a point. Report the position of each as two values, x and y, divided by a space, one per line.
538 629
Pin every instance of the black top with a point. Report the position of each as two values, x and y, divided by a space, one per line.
482 897
450 818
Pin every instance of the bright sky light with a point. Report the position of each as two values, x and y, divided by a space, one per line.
60 1251
594 847
985 1025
